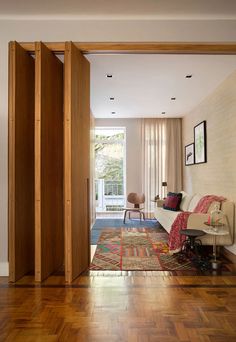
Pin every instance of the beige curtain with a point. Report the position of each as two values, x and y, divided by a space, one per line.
174 154
161 157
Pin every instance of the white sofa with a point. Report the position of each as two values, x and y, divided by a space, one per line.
196 220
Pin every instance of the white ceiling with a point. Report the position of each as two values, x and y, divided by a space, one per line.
143 85
161 9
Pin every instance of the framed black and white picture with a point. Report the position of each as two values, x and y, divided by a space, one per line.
189 154
200 143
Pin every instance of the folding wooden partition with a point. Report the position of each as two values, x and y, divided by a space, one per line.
21 162
49 166
35 181
76 162
49 231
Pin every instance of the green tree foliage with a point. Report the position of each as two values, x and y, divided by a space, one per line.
113 169
108 165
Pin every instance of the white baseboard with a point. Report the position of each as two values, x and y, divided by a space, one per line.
4 269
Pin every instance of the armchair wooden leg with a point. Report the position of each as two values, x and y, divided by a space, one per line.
124 216
143 215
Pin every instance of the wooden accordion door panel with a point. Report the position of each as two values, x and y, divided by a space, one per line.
76 161
49 232
21 162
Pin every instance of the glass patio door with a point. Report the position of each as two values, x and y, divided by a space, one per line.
110 169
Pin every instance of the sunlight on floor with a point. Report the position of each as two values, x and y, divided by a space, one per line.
110 214
92 250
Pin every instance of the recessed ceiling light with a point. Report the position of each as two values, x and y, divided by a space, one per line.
189 76
112 98
163 112
109 75
173 98
113 113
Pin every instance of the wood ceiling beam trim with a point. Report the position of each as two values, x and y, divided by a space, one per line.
55 47
155 47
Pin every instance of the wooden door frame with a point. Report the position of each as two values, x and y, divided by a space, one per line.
203 48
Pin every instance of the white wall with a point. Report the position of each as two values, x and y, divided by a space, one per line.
84 30
218 175
133 149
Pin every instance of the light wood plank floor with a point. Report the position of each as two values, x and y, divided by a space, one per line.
120 306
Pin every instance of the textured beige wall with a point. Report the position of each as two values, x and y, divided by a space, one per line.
218 175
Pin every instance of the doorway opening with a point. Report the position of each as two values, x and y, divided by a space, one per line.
79 246
110 171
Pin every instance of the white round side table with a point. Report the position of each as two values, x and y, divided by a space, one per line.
215 231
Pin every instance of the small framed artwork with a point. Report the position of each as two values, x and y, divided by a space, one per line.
200 143
189 154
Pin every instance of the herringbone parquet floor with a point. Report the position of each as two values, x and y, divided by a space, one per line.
132 308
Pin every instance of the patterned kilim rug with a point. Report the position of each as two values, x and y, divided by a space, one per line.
130 249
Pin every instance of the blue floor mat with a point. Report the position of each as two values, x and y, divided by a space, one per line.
100 224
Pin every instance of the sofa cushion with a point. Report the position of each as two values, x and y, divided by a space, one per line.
186 198
194 201
172 201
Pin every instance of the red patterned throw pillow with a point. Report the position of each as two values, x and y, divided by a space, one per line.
172 202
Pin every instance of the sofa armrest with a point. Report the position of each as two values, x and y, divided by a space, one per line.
196 221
